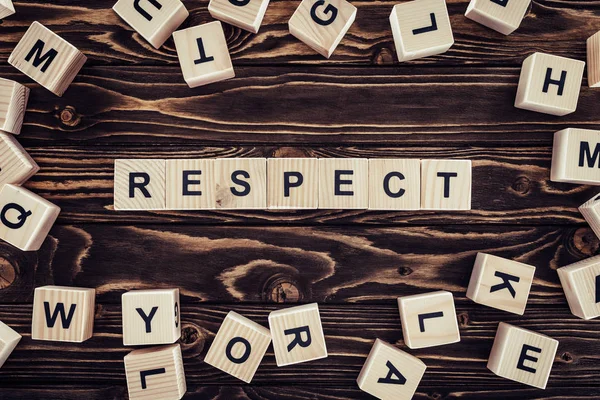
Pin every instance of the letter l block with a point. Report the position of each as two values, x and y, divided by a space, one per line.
576 156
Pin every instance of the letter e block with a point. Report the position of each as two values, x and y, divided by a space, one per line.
293 183
140 184
576 156
343 183
6 8
245 14
16 166
241 183
446 184
394 184
593 60
581 283
13 102
8 341
503 16
190 184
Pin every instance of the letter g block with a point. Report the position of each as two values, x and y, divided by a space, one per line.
576 156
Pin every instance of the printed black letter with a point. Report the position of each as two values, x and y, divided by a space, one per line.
239 3
297 332
423 317
431 28
187 182
147 318
287 184
447 176
524 356
203 58
339 182
598 289
549 81
585 155
506 278
328 10
144 374
38 58
393 371
386 185
244 356
139 185
60 309
21 218
144 13
238 181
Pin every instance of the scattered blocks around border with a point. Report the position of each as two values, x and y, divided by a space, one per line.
293 183
446 184
522 355
190 184
16 165
503 16
245 14
394 184
6 8
593 60
8 341
140 184
575 156
13 103
581 283
343 183
591 212
241 183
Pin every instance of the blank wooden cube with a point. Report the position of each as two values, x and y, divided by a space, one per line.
239 347
140 184
63 314
47 58
581 283
549 84
394 184
190 184
321 24
503 16
500 283
155 373
8 341
203 54
421 28
293 183
25 218
13 102
446 184
343 183
390 373
151 317
245 14
593 60
297 335
428 319
522 355
241 183
6 8
576 156
591 212
16 165
154 20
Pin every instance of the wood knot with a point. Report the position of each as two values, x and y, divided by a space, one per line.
383 56
69 116
435 396
585 241
521 185
8 273
189 335
405 271
463 319
193 339
283 290
288 152
566 357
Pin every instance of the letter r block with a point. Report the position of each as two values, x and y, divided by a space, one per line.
8 341
140 184
581 283
576 156
245 14
446 184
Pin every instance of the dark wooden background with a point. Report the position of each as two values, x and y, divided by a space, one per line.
130 101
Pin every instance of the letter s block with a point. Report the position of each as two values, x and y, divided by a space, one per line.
241 183
13 102
140 184
576 156
581 283
8 341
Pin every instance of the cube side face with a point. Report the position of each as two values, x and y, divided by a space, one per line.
593 60
241 183
575 156
293 183
394 184
13 103
190 184
6 8
581 284
501 16
591 212
446 184
245 14
16 166
140 184
8 341
344 183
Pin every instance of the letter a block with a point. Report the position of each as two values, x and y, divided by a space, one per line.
446 184
297 335
522 355
394 184
16 166
591 212
593 60
576 156
245 14
63 314
503 16
139 184
6 8
47 58
155 373
151 317
239 347
190 184
8 341
581 283
293 183
13 102
344 183
241 183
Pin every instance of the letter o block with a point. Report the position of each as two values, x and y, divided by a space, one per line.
576 156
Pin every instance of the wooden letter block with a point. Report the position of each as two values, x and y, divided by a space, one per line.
47 58
6 8
239 347
390 373
13 102
500 283
16 166
25 218
581 283
155 20
63 314
203 54
428 319
549 84
140 184
421 28
155 373
245 14
297 335
241 183
151 317
190 184
8 341
293 183
503 16
446 184
591 212
321 24
593 60
522 355
394 184
576 156
344 183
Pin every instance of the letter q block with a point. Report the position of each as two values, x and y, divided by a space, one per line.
13 102
503 16
446 184
576 156
140 184
8 341
581 283
245 14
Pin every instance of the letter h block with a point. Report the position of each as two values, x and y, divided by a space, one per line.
8 341
581 283
446 184
245 14
503 16
140 184
576 156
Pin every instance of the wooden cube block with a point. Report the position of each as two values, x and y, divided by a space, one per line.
576 156
293 183
343 183
297 335
503 16
241 183
239 347
549 84
6 8
25 218
154 20
190 184
446 184
500 283
140 184
421 28
394 184
16 165
8 341
522 355
390 373
47 58
593 60
155 373
591 212
321 24
581 283
245 14
63 314
428 319
151 317
13 102
203 54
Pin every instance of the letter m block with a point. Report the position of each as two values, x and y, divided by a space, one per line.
576 156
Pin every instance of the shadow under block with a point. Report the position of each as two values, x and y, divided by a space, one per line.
241 183
446 184
428 319
190 184
139 184
549 84
390 373
245 14
239 347
591 212
47 58
203 54
293 183
151 317
155 373
321 24
576 156
581 283
63 314
394 184
154 20
6 8
421 28
13 103
503 16
522 355
16 165
500 283
593 60
8 341
297 335
343 183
